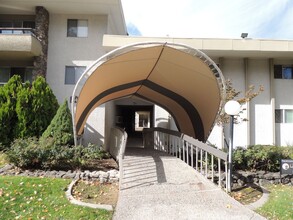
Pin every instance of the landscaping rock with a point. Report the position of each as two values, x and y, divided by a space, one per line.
6 167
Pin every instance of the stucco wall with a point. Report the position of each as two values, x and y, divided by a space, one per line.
110 112
259 129
161 117
94 131
72 51
284 100
260 108
234 70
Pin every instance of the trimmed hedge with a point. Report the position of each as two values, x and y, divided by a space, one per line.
261 157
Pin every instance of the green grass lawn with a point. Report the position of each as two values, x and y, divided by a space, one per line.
280 204
41 198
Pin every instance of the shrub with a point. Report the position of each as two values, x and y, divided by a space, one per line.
25 153
25 110
44 106
8 117
60 128
261 157
45 154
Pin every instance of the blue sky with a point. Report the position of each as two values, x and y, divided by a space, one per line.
261 19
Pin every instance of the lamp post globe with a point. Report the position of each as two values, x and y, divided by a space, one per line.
232 107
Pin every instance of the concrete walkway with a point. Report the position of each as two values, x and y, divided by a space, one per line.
159 186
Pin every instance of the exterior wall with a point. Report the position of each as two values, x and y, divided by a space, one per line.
234 69
283 95
259 128
72 51
260 107
110 112
161 117
94 131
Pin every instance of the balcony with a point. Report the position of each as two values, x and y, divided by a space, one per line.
18 44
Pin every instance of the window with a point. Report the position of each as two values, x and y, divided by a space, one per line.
73 73
288 116
283 72
279 116
4 74
7 72
284 115
142 120
77 28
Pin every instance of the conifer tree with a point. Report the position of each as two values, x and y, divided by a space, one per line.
60 128
8 117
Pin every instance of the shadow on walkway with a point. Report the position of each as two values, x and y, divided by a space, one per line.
156 185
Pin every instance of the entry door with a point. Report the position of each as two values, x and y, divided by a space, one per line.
142 120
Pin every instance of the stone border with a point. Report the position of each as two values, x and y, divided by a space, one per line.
71 199
261 201
110 176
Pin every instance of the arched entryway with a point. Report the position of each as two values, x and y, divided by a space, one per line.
180 79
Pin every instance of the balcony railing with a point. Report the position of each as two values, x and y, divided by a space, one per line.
5 30
19 43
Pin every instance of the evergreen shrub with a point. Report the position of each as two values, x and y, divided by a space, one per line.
8 116
60 128
45 154
25 110
261 157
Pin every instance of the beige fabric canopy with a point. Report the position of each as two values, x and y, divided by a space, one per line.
182 80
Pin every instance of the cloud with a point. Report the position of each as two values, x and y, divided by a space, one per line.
211 18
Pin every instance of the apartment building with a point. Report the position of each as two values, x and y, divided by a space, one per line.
60 40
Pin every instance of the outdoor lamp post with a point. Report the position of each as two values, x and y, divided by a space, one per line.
232 108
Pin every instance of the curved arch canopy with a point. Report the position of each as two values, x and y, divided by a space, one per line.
181 79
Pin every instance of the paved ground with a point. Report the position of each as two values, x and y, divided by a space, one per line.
159 186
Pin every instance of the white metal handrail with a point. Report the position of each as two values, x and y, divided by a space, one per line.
118 140
195 153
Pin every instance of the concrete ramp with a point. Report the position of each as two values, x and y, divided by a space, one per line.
159 186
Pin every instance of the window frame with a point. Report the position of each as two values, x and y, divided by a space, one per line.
282 116
77 74
281 73
78 30
26 73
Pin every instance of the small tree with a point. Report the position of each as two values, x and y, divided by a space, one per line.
232 94
35 108
61 129
8 117
44 105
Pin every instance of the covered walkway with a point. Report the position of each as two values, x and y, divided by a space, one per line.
180 79
159 186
